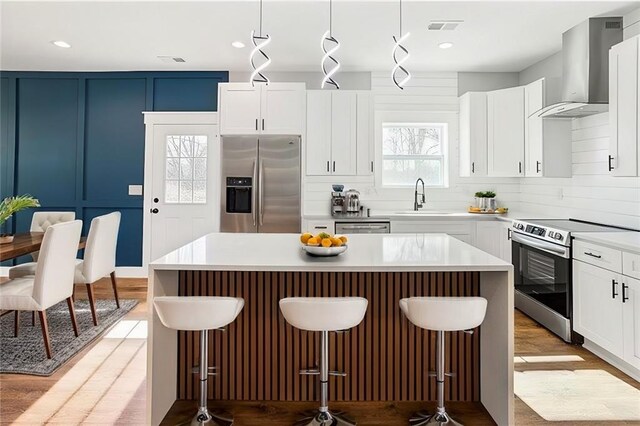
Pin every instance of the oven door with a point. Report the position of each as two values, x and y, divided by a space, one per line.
542 272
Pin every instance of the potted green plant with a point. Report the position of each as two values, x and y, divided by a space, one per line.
486 200
11 205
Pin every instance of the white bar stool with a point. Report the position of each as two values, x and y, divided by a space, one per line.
324 314
442 314
200 313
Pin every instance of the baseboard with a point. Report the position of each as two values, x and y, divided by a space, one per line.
121 271
612 359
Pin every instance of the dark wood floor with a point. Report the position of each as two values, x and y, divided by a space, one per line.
22 396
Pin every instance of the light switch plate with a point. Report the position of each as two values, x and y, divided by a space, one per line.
135 189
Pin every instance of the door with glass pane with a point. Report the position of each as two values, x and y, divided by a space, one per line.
185 191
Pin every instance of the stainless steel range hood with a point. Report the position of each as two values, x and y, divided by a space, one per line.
585 68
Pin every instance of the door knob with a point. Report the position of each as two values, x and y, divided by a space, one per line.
154 211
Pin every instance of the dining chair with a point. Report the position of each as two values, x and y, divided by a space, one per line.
100 257
52 281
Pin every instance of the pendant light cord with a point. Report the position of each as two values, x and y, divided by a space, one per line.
400 35
330 18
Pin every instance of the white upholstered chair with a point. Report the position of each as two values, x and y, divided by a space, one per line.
40 221
52 281
99 258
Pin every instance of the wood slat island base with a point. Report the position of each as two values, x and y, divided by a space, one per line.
248 413
387 359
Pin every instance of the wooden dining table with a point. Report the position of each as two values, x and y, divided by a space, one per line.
26 243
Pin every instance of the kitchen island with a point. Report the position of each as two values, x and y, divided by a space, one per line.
386 357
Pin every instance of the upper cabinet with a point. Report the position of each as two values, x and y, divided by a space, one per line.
505 132
547 142
473 134
268 109
338 133
624 108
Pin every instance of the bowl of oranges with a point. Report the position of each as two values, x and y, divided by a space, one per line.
323 244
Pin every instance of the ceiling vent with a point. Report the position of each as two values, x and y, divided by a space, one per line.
171 59
444 25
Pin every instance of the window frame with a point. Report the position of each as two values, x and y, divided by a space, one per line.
179 180
399 121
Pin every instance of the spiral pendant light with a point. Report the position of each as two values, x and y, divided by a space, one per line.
329 46
259 42
399 74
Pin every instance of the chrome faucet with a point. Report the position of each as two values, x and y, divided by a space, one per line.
418 205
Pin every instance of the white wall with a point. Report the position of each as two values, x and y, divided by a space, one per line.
428 94
591 194
485 81
631 24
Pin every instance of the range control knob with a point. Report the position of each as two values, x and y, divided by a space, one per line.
552 234
559 236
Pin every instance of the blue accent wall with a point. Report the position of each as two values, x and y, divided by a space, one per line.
76 140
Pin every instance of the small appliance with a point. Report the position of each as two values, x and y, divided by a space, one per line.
337 202
352 201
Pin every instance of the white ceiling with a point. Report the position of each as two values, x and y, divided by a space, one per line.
129 35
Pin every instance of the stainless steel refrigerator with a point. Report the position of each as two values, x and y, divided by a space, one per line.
260 184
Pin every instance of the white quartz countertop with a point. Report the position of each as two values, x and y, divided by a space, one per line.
366 252
437 215
629 241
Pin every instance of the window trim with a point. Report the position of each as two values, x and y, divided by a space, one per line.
443 157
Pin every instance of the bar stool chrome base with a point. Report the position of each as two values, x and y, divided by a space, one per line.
325 418
204 417
423 418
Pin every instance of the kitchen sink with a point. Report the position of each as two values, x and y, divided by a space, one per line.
428 213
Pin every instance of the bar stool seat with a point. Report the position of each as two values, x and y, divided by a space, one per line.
442 314
200 313
324 314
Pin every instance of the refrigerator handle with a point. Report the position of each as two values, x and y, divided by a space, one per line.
261 192
253 194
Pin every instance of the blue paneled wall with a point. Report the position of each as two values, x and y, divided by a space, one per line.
76 140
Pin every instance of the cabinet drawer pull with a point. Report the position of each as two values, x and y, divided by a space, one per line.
319 227
610 165
614 293
597 256
624 292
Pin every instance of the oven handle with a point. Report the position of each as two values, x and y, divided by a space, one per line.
541 245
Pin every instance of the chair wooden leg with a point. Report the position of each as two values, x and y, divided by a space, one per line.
45 332
33 318
16 323
72 312
92 304
73 293
115 288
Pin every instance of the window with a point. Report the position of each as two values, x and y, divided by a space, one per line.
186 170
411 151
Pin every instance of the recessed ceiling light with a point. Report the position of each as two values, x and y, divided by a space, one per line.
445 45
238 44
61 43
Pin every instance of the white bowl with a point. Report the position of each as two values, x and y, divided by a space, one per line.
324 251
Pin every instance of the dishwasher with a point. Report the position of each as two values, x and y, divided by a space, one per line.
363 227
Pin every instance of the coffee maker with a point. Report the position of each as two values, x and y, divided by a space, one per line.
352 201
337 200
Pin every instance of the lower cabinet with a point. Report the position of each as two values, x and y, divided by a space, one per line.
494 237
631 321
597 306
316 226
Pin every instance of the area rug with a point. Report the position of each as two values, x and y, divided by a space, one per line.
580 395
25 354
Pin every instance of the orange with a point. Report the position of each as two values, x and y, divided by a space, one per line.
343 239
313 241
336 242
326 242
305 237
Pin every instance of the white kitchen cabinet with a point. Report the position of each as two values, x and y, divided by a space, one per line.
473 134
365 151
505 132
339 138
597 306
318 141
631 320
268 109
462 230
343 133
317 226
494 237
624 108
547 142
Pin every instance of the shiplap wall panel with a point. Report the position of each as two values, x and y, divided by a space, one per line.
592 193
425 92
386 357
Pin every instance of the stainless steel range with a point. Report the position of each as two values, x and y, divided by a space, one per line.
541 259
